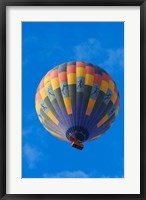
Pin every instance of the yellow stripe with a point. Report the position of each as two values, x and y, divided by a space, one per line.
114 97
67 103
37 106
71 78
104 119
104 86
55 134
53 118
116 111
47 84
111 85
47 80
55 83
90 106
89 79
40 119
43 93
80 71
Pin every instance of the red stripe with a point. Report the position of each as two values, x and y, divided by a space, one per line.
106 77
97 79
38 96
72 138
71 69
89 70
115 89
54 73
41 85
117 102
62 77
80 64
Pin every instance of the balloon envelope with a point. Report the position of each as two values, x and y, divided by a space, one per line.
77 101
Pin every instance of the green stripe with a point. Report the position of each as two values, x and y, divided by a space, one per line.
72 93
99 100
46 117
59 98
87 92
49 105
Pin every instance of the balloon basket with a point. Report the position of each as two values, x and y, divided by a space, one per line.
77 145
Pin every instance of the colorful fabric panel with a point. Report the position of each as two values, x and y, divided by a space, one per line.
77 94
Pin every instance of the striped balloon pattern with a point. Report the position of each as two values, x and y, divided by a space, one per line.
77 100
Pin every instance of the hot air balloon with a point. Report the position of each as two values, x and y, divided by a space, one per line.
77 102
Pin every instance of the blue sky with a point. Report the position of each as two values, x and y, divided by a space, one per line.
45 45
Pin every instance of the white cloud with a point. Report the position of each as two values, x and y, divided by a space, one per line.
31 127
87 50
79 174
68 174
32 155
92 49
115 58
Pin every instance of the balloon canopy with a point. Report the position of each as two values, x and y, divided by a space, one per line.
77 102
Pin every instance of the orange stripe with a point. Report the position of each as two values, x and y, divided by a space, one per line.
71 69
111 85
114 97
69 110
89 79
102 121
91 104
67 103
62 77
54 73
104 86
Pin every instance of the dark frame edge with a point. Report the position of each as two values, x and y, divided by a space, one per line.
3 195
3 100
71 197
143 98
72 2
